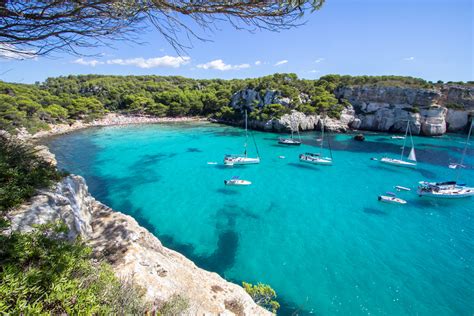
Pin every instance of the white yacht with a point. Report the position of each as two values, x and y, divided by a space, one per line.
449 189
317 158
236 181
291 141
242 159
444 190
401 162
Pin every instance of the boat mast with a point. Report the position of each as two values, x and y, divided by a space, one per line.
322 137
464 151
246 134
405 139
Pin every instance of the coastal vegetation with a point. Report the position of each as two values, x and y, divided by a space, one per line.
263 295
66 99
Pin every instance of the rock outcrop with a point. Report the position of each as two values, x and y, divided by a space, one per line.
377 108
430 111
131 249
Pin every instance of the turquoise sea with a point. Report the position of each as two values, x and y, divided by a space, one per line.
317 235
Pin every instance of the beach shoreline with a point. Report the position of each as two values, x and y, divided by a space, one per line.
111 119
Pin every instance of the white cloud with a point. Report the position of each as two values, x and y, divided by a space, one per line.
258 63
165 61
8 51
219 64
317 61
409 58
92 62
281 62
314 71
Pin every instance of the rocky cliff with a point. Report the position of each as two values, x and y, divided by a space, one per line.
377 108
132 250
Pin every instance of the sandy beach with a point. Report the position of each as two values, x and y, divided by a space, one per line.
111 119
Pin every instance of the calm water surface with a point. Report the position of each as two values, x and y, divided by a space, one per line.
317 235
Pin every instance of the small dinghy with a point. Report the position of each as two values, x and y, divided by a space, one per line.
398 137
400 188
281 157
391 198
236 181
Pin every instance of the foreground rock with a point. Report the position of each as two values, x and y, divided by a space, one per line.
132 250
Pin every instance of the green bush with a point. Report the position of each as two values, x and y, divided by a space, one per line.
41 273
22 172
263 295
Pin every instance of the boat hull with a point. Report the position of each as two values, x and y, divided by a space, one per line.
289 142
397 162
391 200
237 182
241 161
318 161
444 195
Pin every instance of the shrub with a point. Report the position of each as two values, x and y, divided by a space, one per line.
22 172
263 295
41 273
176 305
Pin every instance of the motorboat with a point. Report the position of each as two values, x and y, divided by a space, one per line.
391 198
235 181
315 158
398 137
401 162
444 190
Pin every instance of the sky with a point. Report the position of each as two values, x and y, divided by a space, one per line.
429 39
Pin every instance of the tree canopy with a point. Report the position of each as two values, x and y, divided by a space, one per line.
39 27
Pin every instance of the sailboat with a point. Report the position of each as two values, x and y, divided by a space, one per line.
400 162
316 158
291 141
448 189
230 160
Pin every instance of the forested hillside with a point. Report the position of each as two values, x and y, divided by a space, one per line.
65 99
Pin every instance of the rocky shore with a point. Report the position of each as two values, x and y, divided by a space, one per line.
111 119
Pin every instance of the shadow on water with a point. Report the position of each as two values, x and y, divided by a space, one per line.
426 173
227 191
380 167
303 166
371 210
219 261
194 150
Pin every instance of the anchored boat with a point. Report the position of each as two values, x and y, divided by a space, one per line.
449 189
316 158
400 162
236 181
230 160
391 198
291 141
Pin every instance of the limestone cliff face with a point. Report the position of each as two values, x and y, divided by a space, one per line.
376 108
431 111
131 249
